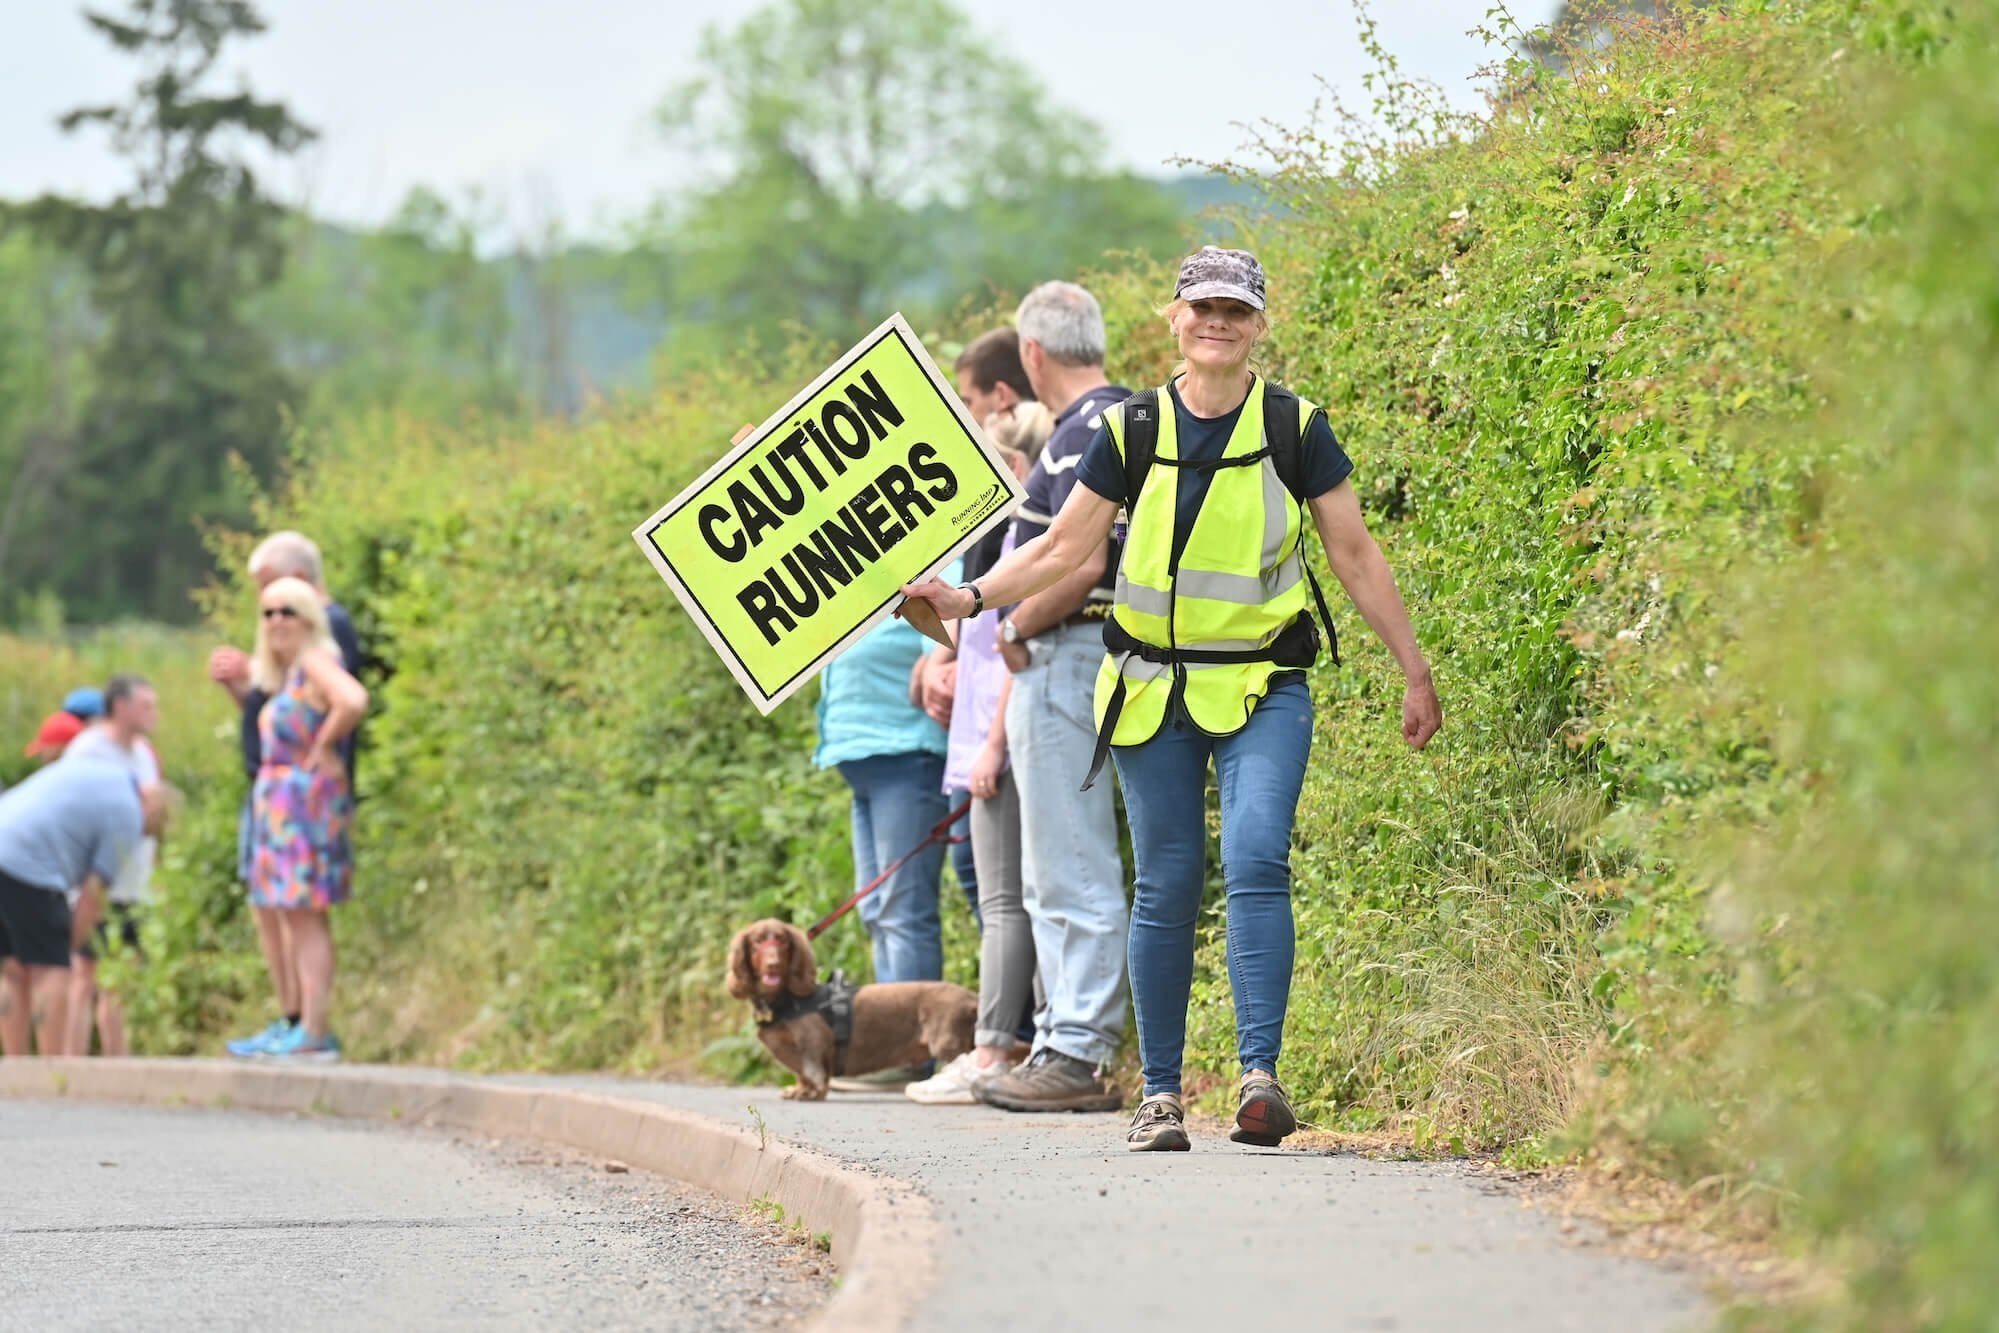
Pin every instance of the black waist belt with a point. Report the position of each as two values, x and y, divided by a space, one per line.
1092 614
1296 645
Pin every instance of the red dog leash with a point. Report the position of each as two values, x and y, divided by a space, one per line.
940 833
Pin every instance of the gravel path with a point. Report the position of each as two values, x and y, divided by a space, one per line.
123 1217
1048 1223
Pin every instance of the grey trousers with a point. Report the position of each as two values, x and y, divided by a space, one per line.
1009 992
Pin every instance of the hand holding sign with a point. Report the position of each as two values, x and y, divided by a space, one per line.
797 542
937 598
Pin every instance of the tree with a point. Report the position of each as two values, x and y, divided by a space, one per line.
845 151
44 331
406 316
184 381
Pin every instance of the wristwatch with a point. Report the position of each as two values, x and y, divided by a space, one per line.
1009 631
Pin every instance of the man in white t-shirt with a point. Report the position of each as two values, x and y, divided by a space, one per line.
122 736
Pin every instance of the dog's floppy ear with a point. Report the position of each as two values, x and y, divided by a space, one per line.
741 983
804 978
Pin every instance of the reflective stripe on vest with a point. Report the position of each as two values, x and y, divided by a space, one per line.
1238 583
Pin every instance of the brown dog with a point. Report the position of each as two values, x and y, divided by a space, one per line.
892 1023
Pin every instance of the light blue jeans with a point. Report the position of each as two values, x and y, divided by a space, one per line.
1260 771
1009 991
963 864
1071 881
898 798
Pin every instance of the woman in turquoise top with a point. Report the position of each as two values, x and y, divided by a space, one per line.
892 755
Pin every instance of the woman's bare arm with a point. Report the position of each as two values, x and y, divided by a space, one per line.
1363 571
346 698
1082 526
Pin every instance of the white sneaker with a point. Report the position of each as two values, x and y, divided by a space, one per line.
952 1085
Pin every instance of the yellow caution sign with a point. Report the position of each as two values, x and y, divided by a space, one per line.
795 543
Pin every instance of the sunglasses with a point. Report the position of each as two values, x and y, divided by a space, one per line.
272 612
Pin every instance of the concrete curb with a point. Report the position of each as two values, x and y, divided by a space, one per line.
884 1231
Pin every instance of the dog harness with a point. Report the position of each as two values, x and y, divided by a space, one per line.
832 1000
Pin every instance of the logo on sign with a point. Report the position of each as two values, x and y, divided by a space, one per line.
981 504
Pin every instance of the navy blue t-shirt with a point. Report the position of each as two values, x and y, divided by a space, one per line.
1325 464
349 644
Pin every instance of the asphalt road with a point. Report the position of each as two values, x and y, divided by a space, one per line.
1048 1223
120 1217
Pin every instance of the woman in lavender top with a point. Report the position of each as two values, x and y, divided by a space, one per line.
977 763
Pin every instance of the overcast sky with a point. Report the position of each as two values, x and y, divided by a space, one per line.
545 104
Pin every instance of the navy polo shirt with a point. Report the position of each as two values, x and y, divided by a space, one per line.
1055 475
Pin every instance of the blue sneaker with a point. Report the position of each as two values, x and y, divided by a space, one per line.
260 1044
298 1044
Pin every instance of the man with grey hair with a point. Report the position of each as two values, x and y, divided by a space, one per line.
280 555
1072 883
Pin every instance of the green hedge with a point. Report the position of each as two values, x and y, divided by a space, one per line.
568 806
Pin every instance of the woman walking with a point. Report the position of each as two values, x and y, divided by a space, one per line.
1209 638
302 804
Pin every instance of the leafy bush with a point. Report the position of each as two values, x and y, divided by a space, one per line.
566 807
1844 1082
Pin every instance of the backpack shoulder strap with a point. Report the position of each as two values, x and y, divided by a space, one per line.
1286 434
1141 441
1282 429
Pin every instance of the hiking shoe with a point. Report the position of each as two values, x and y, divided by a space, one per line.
260 1043
1263 1115
882 1080
1050 1081
952 1085
299 1045
1159 1126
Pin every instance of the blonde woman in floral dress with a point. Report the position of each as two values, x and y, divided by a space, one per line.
302 805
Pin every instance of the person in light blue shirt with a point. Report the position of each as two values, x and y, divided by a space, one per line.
67 829
891 754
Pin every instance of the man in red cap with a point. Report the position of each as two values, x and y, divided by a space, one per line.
57 731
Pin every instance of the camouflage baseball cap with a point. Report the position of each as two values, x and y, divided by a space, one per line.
1212 271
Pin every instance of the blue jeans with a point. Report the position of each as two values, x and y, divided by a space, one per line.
1260 770
898 798
1071 881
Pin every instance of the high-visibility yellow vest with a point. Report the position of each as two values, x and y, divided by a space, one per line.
1238 586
